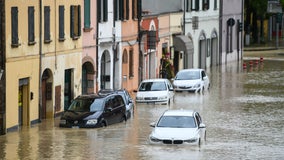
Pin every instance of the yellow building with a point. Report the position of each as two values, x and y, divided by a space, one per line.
43 59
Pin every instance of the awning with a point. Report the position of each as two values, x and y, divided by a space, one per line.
183 43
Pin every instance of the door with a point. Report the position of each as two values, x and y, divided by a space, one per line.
108 112
68 88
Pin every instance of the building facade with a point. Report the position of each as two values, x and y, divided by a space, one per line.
231 40
42 59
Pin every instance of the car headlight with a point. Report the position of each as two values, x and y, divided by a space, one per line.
92 122
192 140
197 85
163 97
154 139
62 121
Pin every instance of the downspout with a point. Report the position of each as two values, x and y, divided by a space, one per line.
220 31
97 49
40 59
3 68
114 50
140 54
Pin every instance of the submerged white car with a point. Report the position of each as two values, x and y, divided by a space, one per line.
192 80
178 127
158 91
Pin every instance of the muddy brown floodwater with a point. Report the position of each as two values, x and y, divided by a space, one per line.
243 112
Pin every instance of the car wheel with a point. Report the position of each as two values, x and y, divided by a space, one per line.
103 124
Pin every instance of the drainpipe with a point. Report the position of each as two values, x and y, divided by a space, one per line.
40 60
220 32
2 70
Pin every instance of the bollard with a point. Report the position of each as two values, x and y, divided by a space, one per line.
244 66
250 63
261 59
256 62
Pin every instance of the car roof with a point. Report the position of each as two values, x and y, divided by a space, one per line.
93 96
191 69
155 80
179 112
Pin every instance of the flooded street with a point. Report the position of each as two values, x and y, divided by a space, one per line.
243 113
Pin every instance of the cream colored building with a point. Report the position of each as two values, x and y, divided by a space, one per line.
43 59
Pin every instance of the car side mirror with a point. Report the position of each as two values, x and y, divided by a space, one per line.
109 109
152 124
202 125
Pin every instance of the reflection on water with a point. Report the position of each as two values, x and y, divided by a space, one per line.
243 112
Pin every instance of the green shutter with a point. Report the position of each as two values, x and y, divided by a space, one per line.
87 14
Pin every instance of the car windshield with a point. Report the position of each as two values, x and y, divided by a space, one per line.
177 122
188 75
86 105
153 86
80 105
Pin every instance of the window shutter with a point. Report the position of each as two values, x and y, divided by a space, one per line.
72 21
105 17
31 27
47 23
99 11
121 9
79 20
197 5
61 23
87 14
115 10
127 10
14 16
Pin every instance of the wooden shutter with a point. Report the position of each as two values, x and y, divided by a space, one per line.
14 16
79 20
31 25
87 14
61 23
121 9
99 11
47 24
105 6
127 10
72 21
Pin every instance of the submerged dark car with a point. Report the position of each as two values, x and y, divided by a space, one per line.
129 103
91 111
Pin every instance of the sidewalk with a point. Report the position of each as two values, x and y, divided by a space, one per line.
265 52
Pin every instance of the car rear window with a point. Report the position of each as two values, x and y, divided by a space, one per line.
153 86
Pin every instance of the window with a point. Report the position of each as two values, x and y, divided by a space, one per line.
87 14
134 9
75 26
61 23
47 24
118 10
126 10
102 10
208 48
195 5
205 5
215 4
187 6
31 26
14 26
131 62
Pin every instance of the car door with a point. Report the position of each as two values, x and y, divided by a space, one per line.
119 108
108 114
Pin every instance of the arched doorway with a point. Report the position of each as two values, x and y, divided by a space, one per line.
214 49
105 70
124 68
46 111
202 51
88 78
